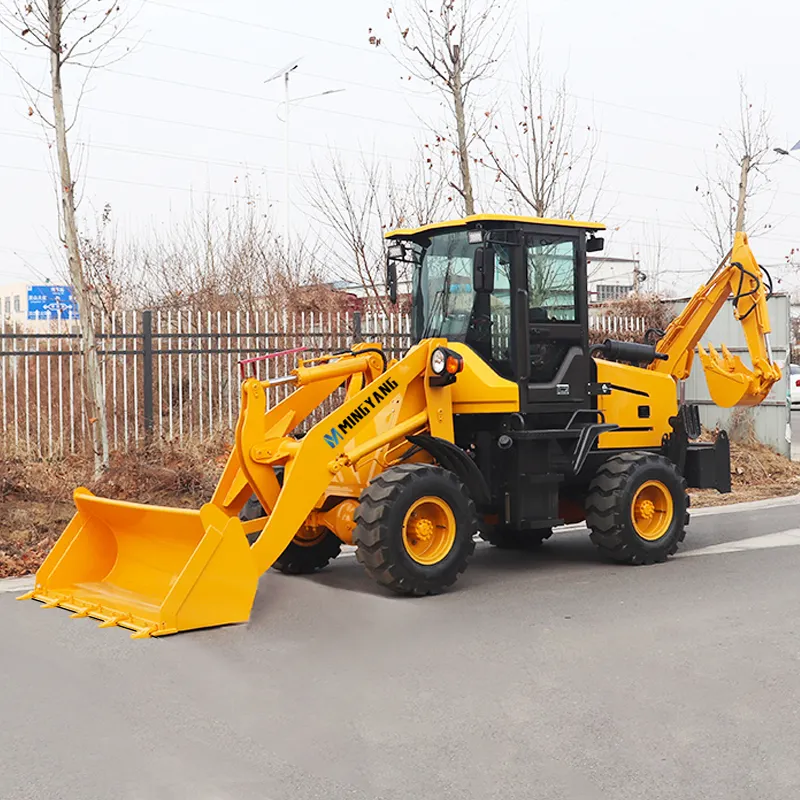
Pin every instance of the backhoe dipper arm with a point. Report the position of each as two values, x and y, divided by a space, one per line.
730 381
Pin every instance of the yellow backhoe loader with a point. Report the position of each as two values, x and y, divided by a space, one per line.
501 419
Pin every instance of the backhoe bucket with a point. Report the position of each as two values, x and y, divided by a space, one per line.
151 569
730 382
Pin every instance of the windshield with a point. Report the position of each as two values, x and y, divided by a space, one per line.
442 287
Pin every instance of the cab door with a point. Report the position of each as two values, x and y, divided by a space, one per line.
558 363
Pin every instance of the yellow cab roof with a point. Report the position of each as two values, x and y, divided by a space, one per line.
408 233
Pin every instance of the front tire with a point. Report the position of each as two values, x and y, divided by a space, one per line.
414 529
636 508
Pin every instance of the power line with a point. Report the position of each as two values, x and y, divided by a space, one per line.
259 26
317 176
364 49
194 159
271 67
190 190
409 91
351 115
243 95
264 168
218 129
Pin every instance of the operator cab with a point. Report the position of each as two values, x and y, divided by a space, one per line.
511 288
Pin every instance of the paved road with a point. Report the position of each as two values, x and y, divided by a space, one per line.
552 676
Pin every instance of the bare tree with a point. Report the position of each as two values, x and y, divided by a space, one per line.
227 257
71 33
420 196
744 156
359 205
547 164
650 250
453 44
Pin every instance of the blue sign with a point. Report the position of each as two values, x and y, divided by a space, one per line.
51 302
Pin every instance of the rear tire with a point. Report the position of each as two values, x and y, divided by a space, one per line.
414 529
303 555
301 558
507 539
636 508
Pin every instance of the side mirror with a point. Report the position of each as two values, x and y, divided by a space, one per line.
483 270
391 279
594 244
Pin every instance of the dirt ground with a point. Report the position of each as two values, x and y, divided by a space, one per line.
36 504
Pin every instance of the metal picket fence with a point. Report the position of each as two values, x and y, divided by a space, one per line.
172 374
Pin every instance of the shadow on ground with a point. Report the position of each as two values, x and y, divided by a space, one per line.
570 550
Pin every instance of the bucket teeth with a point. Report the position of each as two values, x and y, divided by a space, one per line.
113 621
145 633
27 596
51 604
84 612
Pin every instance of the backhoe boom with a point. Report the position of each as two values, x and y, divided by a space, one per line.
730 381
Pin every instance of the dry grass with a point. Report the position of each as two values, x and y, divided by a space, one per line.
36 497
647 307
757 472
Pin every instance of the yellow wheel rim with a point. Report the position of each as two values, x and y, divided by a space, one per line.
429 530
309 537
652 510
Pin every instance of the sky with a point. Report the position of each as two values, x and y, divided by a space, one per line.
186 117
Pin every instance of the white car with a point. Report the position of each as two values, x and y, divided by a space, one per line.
794 385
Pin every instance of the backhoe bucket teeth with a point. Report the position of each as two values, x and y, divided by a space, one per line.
151 569
730 382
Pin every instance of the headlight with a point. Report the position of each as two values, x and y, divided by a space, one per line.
438 361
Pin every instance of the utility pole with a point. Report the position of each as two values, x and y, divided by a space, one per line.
285 72
287 200
287 101
740 205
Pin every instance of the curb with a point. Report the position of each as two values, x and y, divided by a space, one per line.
21 585
751 505
25 583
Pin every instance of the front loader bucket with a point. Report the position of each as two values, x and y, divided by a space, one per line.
730 382
151 569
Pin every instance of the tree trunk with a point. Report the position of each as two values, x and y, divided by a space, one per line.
740 206
94 391
461 133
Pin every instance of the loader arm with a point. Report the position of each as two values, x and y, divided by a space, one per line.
385 411
730 381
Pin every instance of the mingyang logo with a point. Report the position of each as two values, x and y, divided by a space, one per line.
361 411
333 438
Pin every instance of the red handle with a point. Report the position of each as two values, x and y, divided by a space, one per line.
244 361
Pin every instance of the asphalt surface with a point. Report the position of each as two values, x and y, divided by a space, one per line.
550 675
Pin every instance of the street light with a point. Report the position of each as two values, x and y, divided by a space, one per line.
285 72
782 152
